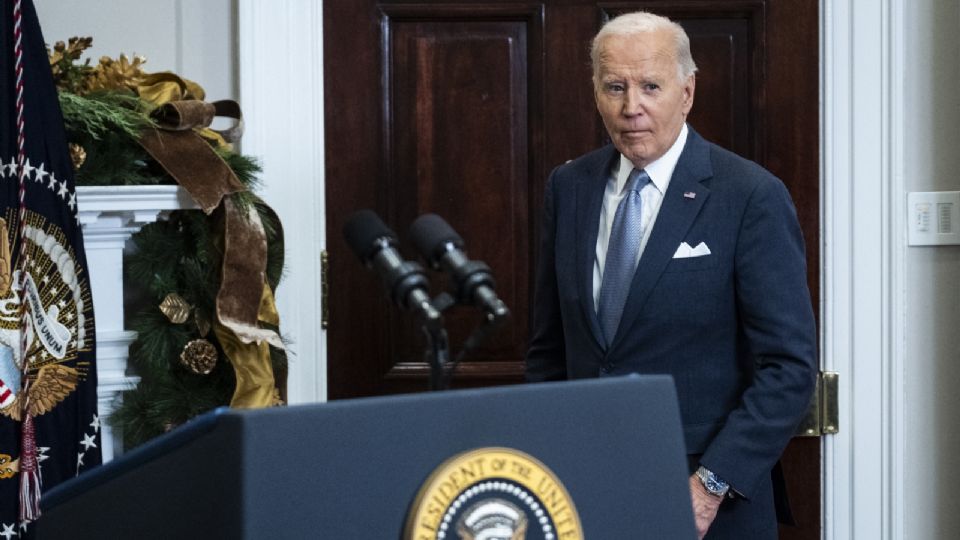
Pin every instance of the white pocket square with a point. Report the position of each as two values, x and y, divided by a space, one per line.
684 251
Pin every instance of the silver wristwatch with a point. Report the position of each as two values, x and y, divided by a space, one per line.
712 482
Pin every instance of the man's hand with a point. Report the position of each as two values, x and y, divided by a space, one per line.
705 506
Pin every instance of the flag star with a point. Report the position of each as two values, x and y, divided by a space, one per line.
42 454
63 191
45 280
11 168
88 441
26 167
73 201
8 531
51 182
23 526
79 459
96 423
39 173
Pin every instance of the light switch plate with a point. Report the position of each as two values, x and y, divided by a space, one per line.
933 218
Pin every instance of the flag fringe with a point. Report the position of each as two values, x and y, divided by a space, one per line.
30 483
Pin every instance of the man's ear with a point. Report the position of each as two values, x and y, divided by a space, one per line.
689 88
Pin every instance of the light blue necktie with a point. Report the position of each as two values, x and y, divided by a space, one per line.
620 265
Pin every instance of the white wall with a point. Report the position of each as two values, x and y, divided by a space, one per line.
931 317
194 38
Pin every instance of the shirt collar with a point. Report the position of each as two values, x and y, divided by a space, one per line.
660 171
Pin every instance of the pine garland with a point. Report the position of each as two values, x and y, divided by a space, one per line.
180 255
100 113
107 125
103 118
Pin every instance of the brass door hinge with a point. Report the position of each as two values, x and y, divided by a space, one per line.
324 289
823 415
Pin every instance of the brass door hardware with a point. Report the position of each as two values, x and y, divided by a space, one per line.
823 415
324 289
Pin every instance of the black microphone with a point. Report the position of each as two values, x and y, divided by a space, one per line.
373 242
442 248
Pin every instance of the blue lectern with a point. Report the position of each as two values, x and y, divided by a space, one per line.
600 459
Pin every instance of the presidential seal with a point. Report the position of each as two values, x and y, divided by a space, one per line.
59 321
493 494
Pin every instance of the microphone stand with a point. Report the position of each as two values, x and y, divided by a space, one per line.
479 334
437 352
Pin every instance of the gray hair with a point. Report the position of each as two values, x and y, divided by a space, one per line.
642 22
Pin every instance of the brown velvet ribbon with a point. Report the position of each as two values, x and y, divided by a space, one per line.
194 164
244 297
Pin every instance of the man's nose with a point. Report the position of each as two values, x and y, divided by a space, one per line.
632 102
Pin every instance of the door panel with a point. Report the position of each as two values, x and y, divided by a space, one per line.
457 143
463 107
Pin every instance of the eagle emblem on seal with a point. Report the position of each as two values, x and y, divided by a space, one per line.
54 326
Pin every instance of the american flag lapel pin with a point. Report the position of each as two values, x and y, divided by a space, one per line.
689 195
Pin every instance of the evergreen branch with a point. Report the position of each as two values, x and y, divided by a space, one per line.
116 160
97 114
158 342
246 168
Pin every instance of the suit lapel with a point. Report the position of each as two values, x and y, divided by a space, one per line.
677 213
589 202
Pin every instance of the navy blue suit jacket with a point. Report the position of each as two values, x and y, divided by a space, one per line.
734 328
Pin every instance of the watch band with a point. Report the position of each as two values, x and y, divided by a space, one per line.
711 482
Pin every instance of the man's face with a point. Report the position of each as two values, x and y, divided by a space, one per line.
639 96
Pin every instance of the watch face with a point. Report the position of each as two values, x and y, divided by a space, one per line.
714 486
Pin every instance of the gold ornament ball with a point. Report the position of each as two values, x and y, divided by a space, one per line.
199 356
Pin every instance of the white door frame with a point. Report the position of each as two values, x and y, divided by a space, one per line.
863 255
281 90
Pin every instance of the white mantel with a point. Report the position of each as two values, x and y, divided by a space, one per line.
109 215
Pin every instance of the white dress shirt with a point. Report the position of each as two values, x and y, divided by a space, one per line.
660 172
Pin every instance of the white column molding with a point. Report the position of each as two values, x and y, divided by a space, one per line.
109 216
281 90
863 253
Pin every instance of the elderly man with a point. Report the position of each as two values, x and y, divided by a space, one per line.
663 253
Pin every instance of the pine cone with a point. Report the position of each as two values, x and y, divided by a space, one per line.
199 356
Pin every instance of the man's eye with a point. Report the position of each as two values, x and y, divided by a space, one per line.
614 87
651 87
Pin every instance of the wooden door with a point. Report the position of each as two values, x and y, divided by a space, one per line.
463 107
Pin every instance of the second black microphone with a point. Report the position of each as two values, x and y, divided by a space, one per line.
442 248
